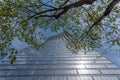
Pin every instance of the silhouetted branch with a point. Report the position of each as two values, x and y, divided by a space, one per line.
63 9
106 12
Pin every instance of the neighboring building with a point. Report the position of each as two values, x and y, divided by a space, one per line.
55 62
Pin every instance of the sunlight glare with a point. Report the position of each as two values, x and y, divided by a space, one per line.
1 0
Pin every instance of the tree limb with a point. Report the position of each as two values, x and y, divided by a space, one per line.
45 4
79 3
106 12
64 3
65 8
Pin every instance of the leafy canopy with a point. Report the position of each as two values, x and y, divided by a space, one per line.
85 23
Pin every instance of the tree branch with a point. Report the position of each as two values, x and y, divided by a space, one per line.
30 10
45 4
106 12
65 8
79 3
64 3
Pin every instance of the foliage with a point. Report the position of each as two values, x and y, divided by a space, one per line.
19 18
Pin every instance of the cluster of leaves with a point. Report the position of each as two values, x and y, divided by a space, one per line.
14 23
18 19
77 33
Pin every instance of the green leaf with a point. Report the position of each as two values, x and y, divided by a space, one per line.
13 59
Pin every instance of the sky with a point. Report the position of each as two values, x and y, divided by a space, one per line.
19 45
111 55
